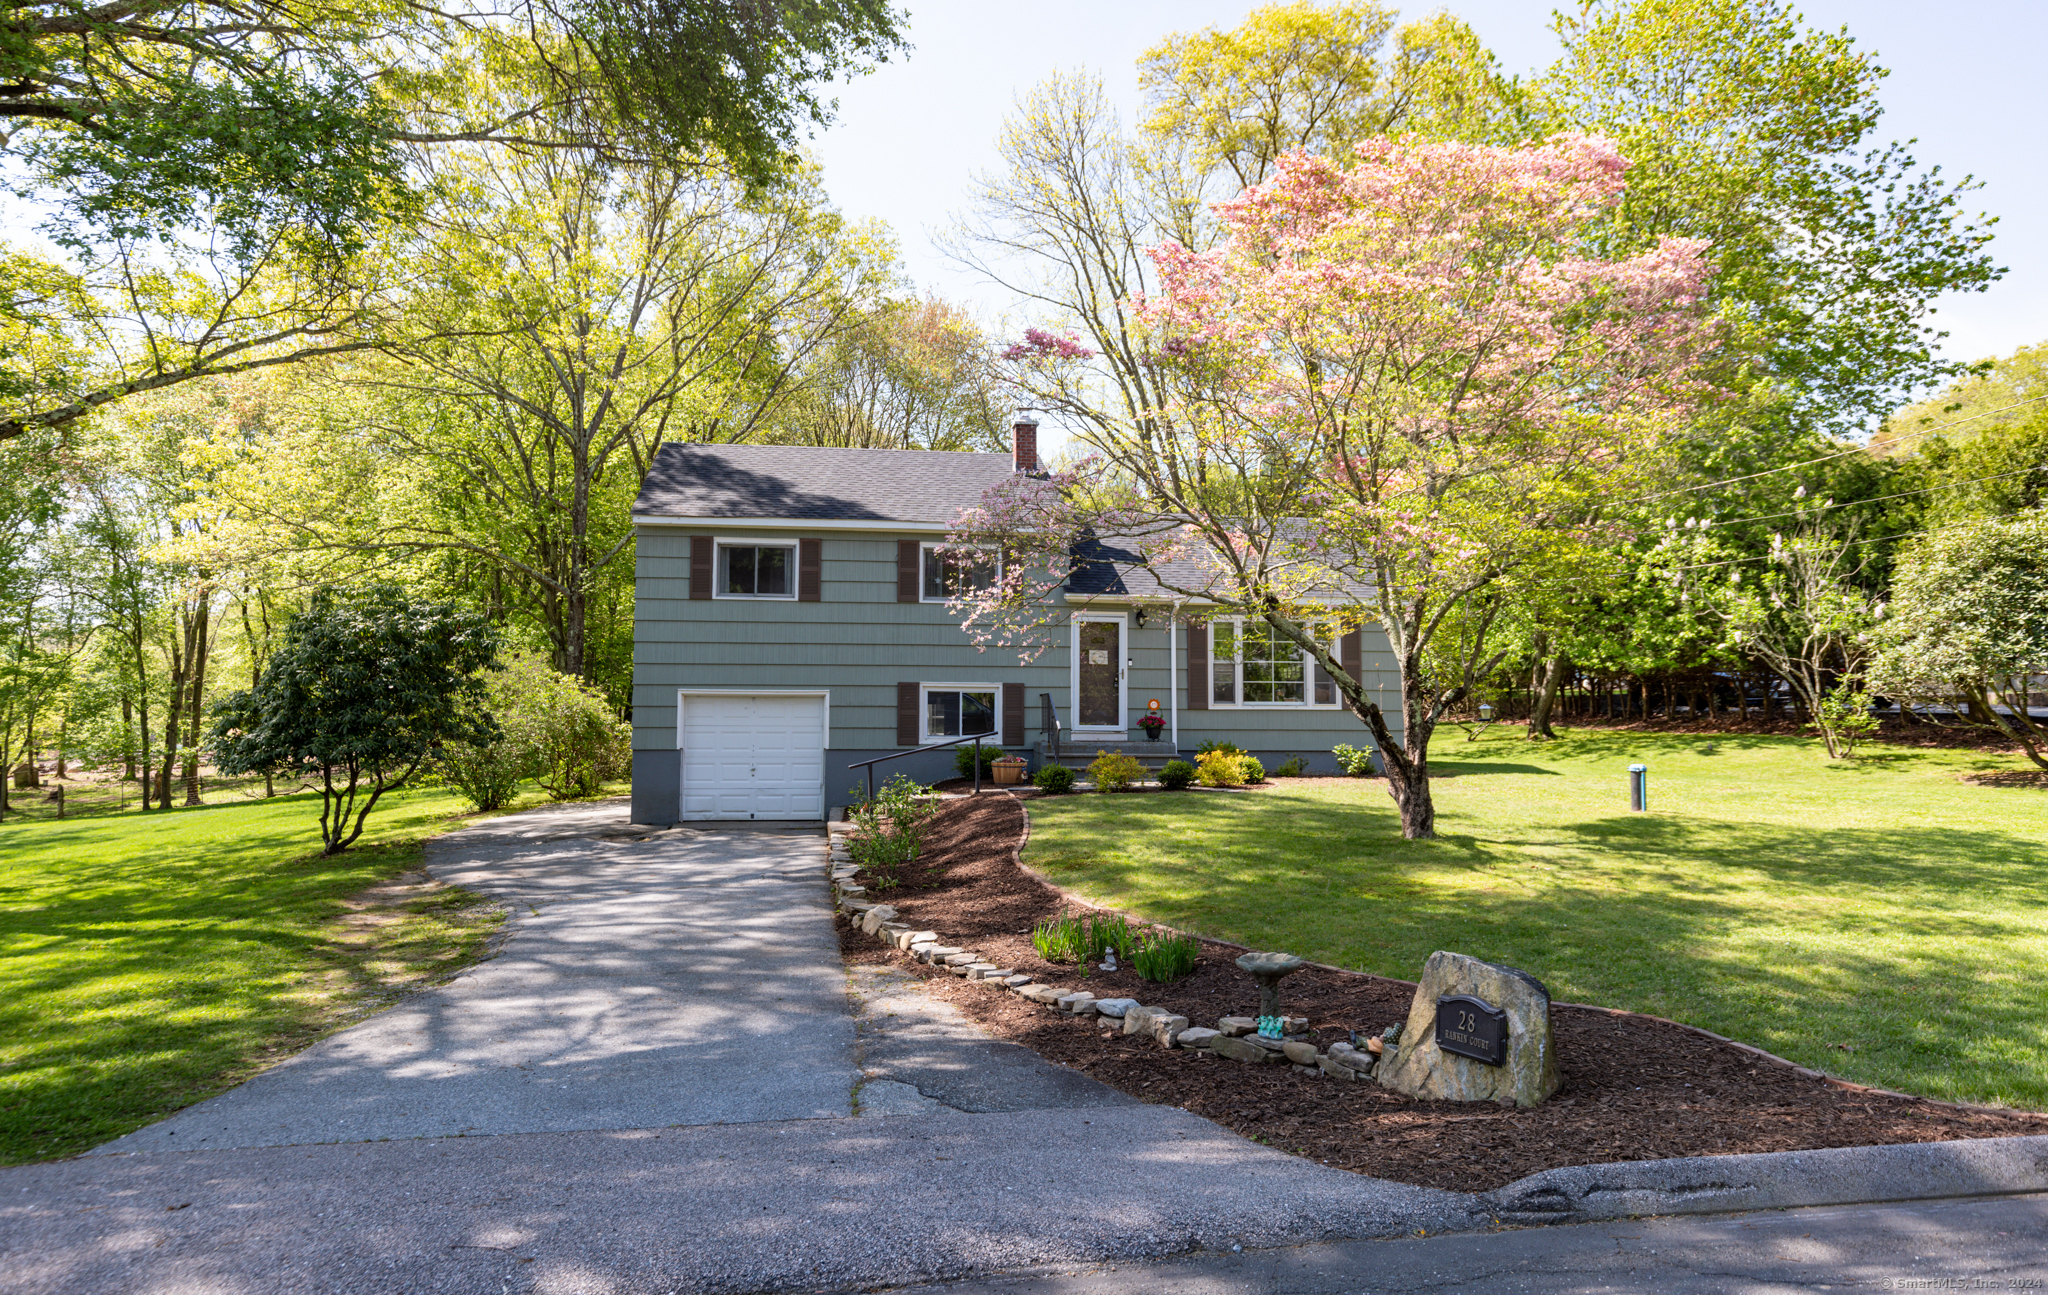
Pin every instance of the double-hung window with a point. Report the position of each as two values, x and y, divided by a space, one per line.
1253 664
756 570
950 572
958 710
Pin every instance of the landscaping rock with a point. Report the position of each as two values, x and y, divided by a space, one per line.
1138 1020
1307 1070
911 939
1336 1069
997 974
977 970
1269 1045
1198 1037
1238 1049
1301 1054
1421 1069
1114 1006
849 895
1041 994
962 959
1017 981
1073 1002
1166 1028
1236 1026
936 954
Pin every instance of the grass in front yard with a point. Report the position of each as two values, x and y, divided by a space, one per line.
151 960
1877 919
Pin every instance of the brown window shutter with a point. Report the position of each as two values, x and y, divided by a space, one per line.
1013 714
1198 665
906 714
908 574
1351 652
810 576
700 566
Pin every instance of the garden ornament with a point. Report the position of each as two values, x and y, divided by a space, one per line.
1269 969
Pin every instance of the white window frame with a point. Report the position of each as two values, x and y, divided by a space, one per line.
719 544
924 557
993 737
1308 674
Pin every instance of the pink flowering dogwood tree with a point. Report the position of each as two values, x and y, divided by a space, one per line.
1392 388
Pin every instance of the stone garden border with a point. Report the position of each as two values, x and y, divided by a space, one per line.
1571 1194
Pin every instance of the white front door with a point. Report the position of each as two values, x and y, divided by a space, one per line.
753 755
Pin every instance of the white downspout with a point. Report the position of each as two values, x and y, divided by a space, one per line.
1173 673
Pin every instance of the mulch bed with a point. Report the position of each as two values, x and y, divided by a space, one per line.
1634 1088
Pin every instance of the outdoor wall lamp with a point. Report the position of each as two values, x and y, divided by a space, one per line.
1139 619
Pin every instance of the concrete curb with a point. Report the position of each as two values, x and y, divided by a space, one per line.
1910 1171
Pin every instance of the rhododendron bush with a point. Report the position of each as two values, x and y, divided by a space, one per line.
1393 386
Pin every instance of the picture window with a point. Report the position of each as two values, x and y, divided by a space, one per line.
959 711
1253 664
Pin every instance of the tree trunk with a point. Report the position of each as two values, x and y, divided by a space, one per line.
198 644
1407 761
173 712
1546 697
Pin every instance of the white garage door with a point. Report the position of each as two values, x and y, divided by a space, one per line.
753 756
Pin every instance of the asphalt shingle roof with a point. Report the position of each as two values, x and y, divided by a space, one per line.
813 483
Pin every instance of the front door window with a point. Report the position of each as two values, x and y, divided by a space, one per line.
1101 675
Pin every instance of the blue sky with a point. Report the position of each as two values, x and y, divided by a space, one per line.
1965 81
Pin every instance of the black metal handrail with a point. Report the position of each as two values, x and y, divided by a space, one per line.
869 765
1049 724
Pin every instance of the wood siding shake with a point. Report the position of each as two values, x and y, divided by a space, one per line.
1013 714
908 559
906 714
810 575
1198 664
700 566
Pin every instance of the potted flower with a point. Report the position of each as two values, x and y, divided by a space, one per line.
1152 723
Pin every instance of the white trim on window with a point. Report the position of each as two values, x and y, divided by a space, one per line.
924 557
924 709
1236 661
720 543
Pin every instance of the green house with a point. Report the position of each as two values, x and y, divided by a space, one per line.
792 621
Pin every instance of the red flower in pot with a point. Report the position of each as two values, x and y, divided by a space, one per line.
1152 724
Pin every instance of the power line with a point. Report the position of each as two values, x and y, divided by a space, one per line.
1828 458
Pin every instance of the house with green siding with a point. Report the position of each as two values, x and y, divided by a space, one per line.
794 617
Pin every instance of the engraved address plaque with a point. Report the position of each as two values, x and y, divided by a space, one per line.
1471 1027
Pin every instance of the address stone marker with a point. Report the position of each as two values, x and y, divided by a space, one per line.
1466 1013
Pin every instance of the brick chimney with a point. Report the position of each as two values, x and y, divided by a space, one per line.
1024 445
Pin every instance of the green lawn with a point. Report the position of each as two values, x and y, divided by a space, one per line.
148 961
1877 919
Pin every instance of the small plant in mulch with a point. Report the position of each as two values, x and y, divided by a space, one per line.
1296 767
1067 938
891 828
1054 780
1356 763
1165 957
1176 775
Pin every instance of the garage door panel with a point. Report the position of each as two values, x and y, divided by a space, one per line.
753 756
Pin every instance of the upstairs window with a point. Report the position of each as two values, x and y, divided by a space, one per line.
1253 664
950 573
756 571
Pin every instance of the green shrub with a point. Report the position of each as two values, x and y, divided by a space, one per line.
963 761
550 728
1296 767
1114 771
1176 775
1221 767
1054 780
1353 761
1166 957
1251 768
891 827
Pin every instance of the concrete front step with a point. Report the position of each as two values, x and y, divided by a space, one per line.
1078 755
